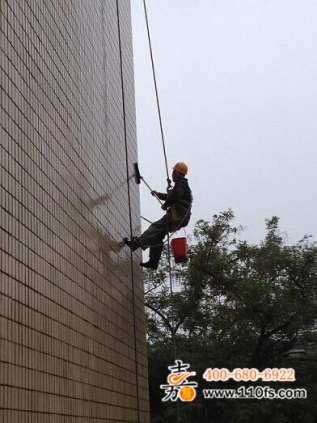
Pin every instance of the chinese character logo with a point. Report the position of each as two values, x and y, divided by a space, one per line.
178 385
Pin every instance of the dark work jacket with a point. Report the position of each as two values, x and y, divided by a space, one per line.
179 200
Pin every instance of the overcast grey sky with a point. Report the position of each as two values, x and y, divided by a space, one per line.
237 83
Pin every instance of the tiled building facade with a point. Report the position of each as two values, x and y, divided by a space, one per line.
72 327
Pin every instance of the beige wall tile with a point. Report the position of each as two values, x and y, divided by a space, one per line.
69 318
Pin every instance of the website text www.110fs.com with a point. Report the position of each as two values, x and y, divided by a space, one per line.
254 392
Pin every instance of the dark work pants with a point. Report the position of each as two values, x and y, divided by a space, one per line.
154 236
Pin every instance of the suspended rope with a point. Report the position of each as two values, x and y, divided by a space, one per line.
167 177
130 216
156 92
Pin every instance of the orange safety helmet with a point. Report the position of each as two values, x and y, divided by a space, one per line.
181 167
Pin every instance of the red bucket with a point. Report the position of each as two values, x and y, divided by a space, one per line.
179 249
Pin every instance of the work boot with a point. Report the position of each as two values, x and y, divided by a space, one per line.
149 265
132 243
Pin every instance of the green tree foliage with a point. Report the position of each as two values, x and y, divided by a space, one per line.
235 305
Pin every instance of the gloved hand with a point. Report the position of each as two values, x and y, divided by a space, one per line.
154 193
164 206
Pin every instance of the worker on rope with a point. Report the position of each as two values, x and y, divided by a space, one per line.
177 203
